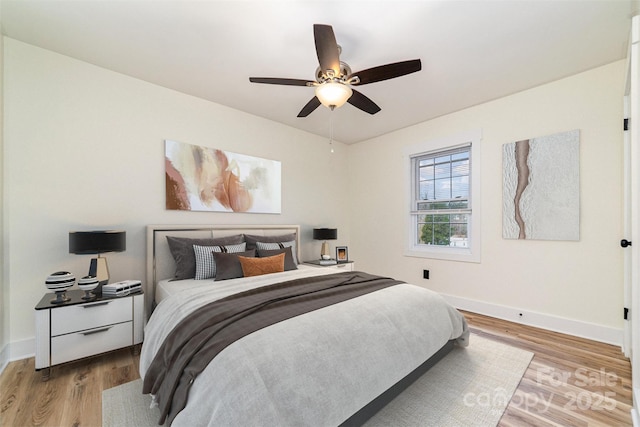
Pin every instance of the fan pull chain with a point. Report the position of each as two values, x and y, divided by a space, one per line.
331 130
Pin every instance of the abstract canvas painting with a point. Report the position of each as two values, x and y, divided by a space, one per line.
207 179
541 188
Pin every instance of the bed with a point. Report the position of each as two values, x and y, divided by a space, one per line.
335 364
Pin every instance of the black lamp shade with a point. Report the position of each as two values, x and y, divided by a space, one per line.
325 233
97 242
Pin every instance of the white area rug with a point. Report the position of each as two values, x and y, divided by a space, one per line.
470 387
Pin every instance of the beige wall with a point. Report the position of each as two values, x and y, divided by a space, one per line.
84 149
575 286
4 282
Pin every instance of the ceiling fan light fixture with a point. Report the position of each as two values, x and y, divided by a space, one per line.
333 94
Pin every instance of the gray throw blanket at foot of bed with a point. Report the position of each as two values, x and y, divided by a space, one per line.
196 340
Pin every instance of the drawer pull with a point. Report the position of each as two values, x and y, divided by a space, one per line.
96 331
98 304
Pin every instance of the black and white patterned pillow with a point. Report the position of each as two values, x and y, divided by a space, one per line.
206 264
279 245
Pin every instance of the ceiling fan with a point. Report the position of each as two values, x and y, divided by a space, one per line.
333 79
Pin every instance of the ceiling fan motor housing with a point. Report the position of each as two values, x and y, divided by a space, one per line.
323 76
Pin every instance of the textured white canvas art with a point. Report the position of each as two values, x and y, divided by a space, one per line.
541 188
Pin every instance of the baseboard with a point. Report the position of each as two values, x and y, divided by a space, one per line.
16 351
635 416
540 320
4 358
24 349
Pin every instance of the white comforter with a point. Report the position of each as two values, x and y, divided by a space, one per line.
316 369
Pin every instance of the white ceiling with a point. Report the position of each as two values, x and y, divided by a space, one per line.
471 51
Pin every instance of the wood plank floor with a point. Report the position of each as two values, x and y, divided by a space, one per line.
570 382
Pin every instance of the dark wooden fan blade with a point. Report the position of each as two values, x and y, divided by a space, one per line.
277 81
327 48
308 109
388 71
360 101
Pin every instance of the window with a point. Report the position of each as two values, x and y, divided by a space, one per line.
443 207
442 197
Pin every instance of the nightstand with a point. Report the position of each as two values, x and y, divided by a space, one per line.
81 328
342 266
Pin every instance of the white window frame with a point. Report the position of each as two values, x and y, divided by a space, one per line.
412 248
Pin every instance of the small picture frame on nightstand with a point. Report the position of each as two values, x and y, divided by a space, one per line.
342 254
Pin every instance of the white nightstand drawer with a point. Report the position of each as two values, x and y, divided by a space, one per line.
91 315
347 266
89 342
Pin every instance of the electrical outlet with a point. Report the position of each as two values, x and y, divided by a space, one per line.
425 274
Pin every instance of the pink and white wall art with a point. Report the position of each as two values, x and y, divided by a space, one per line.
207 179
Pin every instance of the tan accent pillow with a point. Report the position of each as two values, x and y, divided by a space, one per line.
259 266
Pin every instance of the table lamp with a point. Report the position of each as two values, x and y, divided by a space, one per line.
96 243
325 234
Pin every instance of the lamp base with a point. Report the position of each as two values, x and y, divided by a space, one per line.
99 269
324 251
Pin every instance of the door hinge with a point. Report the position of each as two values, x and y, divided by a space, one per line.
626 124
626 313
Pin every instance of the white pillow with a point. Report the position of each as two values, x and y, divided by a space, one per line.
206 264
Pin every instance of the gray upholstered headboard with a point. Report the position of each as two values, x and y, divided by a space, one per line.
160 264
